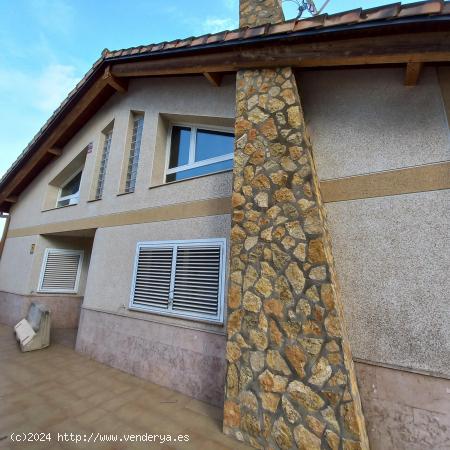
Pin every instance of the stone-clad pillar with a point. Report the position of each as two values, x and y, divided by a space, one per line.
259 12
290 379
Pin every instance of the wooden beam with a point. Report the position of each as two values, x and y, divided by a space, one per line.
413 70
120 85
12 199
396 49
55 151
215 78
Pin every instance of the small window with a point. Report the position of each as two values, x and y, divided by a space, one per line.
135 148
69 193
180 278
198 151
60 271
103 164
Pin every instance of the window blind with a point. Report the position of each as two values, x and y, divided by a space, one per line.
181 278
60 270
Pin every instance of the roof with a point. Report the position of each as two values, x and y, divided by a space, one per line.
387 13
357 19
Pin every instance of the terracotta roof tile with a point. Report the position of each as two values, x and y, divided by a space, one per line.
421 8
255 31
380 12
310 22
343 18
283 27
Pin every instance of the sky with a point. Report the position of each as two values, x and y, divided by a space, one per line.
48 45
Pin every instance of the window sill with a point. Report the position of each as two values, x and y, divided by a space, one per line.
92 200
59 207
190 179
124 193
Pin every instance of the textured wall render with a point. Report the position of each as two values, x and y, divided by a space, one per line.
290 377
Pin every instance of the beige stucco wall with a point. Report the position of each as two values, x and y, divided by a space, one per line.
16 265
391 253
192 96
366 120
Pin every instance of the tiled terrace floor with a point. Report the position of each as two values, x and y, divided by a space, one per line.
58 390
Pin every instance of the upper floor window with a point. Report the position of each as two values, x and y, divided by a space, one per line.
135 148
107 137
196 151
69 193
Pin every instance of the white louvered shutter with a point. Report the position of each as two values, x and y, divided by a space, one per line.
61 270
197 280
153 277
180 278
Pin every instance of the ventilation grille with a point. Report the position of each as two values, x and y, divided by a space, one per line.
197 280
182 278
61 271
153 276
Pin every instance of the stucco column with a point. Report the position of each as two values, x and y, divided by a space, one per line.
290 378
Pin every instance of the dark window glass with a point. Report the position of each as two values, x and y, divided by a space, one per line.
190 173
179 146
211 144
72 187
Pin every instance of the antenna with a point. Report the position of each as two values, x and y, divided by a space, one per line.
308 5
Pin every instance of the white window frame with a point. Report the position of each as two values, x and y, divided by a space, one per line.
192 164
74 199
44 265
222 242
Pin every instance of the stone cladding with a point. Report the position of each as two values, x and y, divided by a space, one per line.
258 12
290 379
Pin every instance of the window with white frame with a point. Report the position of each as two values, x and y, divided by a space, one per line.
103 163
135 148
195 151
180 278
69 193
60 271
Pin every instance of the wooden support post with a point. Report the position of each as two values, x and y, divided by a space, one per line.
118 84
413 70
215 78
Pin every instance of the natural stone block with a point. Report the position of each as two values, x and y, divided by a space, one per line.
297 358
305 439
282 434
305 396
251 302
269 401
272 383
277 363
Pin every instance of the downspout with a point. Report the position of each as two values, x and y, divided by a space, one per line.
5 231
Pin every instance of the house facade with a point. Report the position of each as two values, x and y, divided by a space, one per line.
258 219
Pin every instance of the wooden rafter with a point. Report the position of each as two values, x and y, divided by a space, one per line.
119 84
55 151
413 71
215 78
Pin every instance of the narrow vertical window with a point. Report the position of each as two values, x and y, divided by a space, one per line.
103 164
135 148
